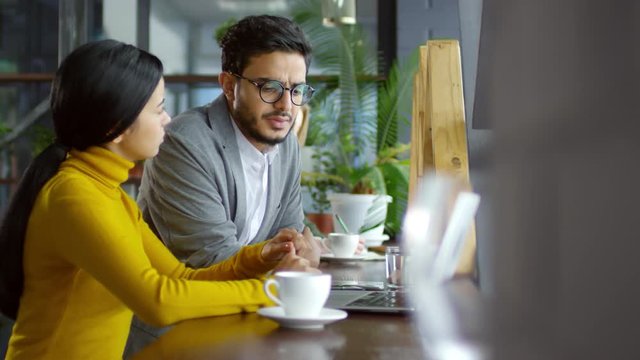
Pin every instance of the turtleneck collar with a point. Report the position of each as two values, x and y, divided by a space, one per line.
102 164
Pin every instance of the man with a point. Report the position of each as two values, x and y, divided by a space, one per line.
228 173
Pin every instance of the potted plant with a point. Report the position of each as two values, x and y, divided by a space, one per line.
354 122
319 182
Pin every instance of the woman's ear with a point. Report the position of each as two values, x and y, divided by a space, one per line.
114 145
228 85
118 139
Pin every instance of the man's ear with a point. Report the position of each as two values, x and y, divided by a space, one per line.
228 85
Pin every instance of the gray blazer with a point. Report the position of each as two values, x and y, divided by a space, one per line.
193 192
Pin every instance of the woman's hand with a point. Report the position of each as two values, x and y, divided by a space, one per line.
293 262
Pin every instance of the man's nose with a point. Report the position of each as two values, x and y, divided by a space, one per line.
284 103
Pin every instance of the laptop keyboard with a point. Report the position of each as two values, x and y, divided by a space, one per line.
389 299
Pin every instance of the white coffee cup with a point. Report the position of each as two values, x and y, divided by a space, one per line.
300 294
343 245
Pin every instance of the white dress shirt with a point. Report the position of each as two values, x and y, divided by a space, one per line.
255 165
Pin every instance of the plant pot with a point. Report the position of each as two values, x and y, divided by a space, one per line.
360 211
323 221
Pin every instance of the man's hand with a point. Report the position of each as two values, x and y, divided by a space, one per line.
305 246
293 262
308 247
280 245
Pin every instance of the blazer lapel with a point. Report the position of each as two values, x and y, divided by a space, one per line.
220 122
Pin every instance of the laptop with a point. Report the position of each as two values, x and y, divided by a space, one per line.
373 297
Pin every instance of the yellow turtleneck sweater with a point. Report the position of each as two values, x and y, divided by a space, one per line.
90 260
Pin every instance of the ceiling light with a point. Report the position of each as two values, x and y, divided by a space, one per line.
336 12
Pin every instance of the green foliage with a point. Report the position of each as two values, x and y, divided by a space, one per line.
219 32
8 99
395 100
4 129
343 105
41 137
354 119
321 180
396 177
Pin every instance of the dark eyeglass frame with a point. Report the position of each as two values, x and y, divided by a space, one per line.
260 85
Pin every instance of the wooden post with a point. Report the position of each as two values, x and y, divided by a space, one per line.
438 132
421 153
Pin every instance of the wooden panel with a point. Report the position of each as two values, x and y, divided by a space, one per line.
438 135
421 153
447 109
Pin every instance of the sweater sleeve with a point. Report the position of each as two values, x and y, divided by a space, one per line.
247 263
106 241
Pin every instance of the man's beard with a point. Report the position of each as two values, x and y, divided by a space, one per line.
248 125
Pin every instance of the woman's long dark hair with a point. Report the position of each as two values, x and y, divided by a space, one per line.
98 92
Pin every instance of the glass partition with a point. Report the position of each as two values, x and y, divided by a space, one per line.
180 33
28 49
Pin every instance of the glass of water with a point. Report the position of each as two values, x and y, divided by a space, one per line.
395 267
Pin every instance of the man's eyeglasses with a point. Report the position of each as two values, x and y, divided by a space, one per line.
272 90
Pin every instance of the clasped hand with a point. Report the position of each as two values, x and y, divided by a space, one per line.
294 250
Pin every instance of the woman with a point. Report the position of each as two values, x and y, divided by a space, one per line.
77 258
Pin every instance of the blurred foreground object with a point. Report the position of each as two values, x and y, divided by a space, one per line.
559 85
438 218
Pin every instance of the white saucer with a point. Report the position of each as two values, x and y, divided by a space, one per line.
375 240
276 313
331 257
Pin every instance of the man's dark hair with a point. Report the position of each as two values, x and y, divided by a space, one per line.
257 35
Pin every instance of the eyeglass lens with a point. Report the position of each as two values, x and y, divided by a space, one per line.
271 91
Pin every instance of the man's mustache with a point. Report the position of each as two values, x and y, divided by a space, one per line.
278 113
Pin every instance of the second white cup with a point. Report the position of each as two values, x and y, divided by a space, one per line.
300 294
343 245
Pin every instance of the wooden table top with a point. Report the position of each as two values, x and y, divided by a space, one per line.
251 336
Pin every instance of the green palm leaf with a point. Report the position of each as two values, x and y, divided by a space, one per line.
395 94
396 178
